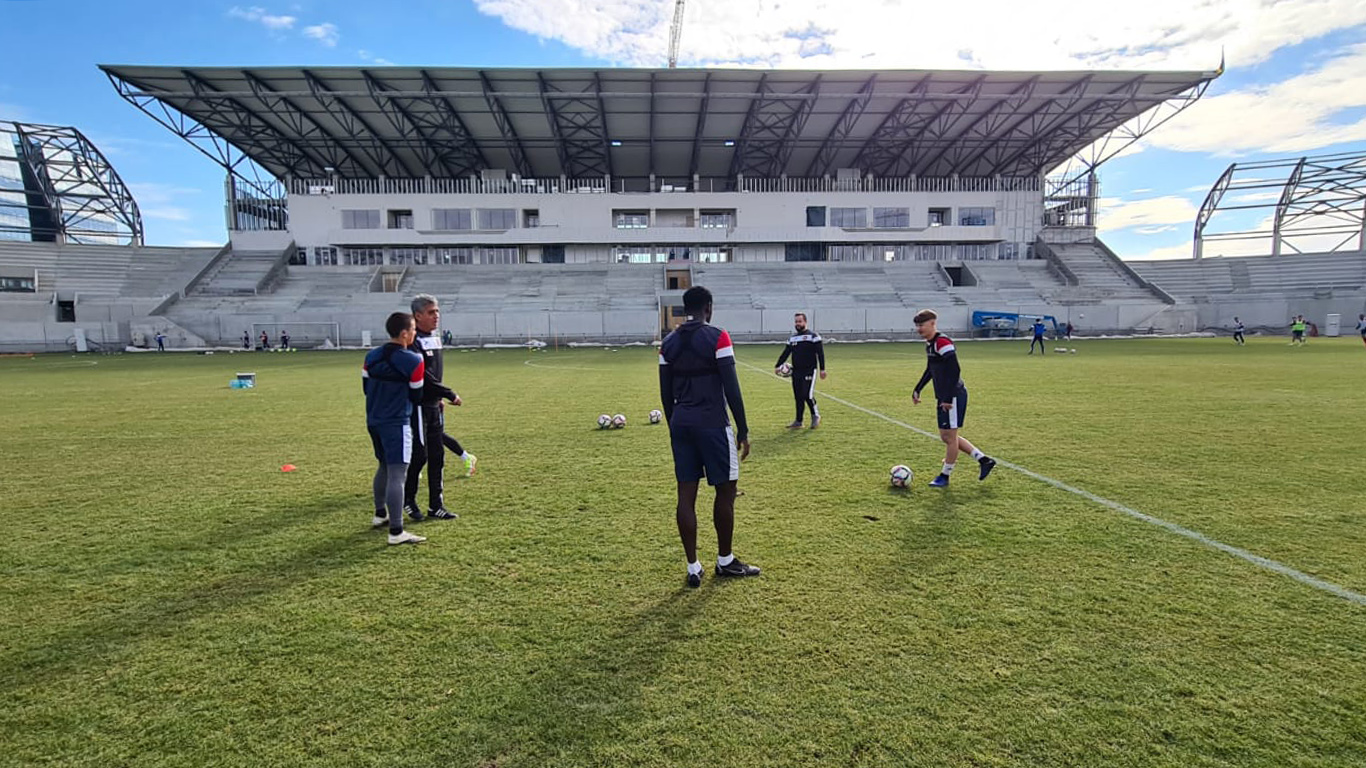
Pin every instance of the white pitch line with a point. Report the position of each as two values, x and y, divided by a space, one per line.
1179 530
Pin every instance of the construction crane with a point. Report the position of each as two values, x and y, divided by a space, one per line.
675 32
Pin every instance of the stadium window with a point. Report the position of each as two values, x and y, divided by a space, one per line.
815 216
717 219
66 311
552 254
400 219
453 255
446 219
497 218
531 219
631 219
849 217
714 256
409 256
892 218
940 216
497 255
362 257
325 256
976 217
17 285
360 219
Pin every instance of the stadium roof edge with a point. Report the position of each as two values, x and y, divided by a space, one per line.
367 122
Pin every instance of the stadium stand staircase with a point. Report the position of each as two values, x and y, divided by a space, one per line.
1100 272
244 273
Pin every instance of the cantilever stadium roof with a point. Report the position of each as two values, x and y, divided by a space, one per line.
673 123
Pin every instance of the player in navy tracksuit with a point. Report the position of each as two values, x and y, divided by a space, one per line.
697 381
950 394
807 352
391 378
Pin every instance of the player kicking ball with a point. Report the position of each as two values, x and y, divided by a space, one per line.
950 395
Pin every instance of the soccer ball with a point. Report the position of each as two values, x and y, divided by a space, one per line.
1074 351
604 421
655 416
901 476
618 421
785 370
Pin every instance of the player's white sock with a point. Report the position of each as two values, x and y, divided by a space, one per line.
694 567
977 454
725 561
948 468
465 455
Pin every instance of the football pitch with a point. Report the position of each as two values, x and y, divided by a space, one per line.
1175 578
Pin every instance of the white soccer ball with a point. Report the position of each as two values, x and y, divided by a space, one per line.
604 421
655 416
785 370
1074 351
618 421
901 476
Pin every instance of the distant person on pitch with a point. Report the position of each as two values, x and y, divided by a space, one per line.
950 395
1038 338
807 351
1297 327
161 341
265 340
284 339
246 340
1238 329
391 378
697 381
1361 327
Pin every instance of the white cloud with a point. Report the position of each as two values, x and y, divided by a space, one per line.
1183 251
1251 197
1296 115
259 15
1156 214
198 244
325 33
373 59
999 34
168 213
165 202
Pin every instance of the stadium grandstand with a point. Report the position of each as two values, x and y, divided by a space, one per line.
578 204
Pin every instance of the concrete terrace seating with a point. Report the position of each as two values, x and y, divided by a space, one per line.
814 285
1298 274
537 287
108 270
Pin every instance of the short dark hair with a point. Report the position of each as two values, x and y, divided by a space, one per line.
398 323
924 315
802 315
696 299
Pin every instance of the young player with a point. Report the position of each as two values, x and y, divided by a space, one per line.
1297 330
1238 329
697 380
391 378
1038 337
950 395
807 351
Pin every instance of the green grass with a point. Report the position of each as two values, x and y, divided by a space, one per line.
169 597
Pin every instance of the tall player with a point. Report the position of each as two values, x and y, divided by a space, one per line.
429 420
807 351
697 380
950 395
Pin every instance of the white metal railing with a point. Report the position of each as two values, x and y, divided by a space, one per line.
563 185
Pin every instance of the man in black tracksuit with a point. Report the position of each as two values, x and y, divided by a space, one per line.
807 352
428 419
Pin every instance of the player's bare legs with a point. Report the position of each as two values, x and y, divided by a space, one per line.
687 517
723 516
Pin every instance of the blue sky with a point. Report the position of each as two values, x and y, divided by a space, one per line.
1296 79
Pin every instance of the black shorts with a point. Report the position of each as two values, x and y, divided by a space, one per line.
953 417
700 451
1297 334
